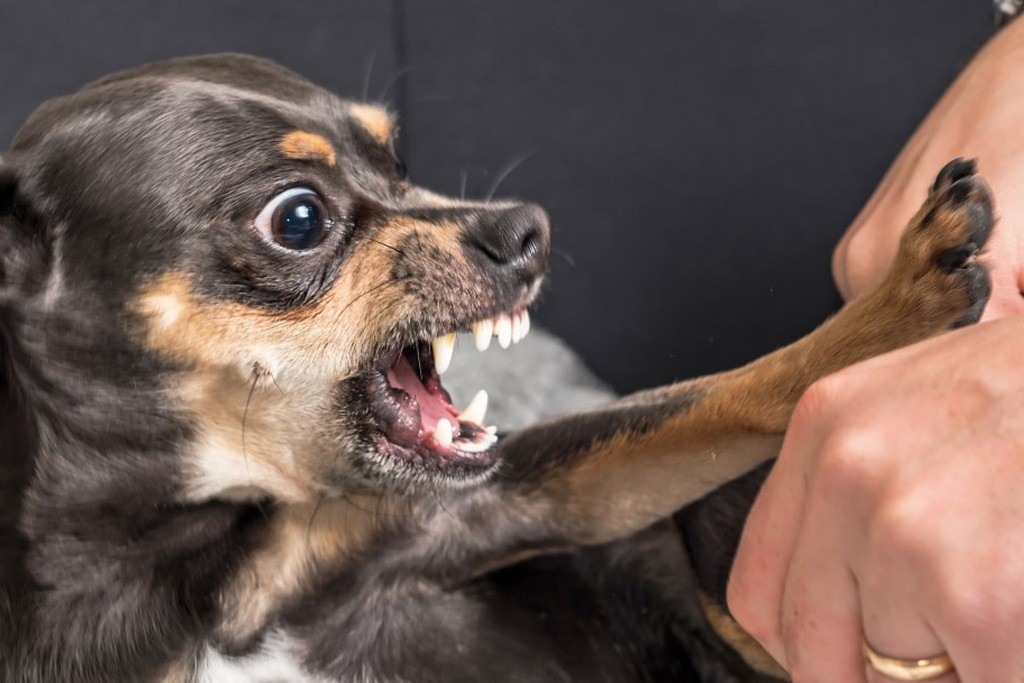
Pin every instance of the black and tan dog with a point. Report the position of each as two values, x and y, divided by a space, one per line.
224 310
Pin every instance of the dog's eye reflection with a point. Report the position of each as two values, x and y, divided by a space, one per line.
295 219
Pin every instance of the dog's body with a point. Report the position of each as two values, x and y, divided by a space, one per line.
218 295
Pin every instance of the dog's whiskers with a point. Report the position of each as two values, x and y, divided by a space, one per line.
257 371
439 499
348 499
391 83
385 244
368 77
371 290
504 173
565 255
309 530
274 380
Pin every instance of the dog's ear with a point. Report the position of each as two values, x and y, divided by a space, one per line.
13 242
8 186
25 241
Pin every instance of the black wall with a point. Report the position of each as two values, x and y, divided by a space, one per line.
699 159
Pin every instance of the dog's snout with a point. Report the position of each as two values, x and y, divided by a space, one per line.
515 240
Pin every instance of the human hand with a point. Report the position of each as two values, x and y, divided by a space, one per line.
894 514
978 117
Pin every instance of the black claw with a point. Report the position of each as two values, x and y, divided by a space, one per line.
979 288
960 191
980 221
954 171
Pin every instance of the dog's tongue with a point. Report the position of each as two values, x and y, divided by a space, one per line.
413 410
431 400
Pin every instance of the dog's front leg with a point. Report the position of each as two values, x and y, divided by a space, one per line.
597 476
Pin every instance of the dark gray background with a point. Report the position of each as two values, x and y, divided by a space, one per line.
699 159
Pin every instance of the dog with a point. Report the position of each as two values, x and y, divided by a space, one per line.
229 455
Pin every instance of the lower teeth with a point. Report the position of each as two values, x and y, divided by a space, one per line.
443 435
475 446
443 432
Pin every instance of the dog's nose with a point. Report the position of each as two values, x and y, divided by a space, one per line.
516 241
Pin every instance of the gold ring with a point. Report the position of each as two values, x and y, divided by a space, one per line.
921 669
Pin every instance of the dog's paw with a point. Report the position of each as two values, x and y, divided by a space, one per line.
937 271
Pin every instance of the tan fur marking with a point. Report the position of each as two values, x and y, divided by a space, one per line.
250 442
629 481
332 338
374 120
306 146
273 373
303 541
733 634
182 670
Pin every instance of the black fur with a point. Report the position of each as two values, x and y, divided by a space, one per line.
536 451
107 575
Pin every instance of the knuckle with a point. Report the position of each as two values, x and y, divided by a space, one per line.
972 608
848 448
848 463
817 401
900 528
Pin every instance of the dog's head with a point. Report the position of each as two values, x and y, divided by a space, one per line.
220 247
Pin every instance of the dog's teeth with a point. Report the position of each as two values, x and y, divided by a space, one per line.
476 409
483 330
474 446
503 327
526 323
491 430
517 328
443 432
444 348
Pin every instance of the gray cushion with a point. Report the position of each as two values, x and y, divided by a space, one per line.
537 378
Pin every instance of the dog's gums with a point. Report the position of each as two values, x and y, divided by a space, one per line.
414 412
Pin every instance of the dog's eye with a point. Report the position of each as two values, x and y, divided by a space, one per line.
296 219
401 170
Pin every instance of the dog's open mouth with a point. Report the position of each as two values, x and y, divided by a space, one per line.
414 412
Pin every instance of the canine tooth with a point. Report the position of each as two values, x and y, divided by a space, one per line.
504 330
476 409
526 322
517 328
443 432
483 330
444 348
491 430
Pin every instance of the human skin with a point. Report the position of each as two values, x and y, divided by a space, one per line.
895 511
